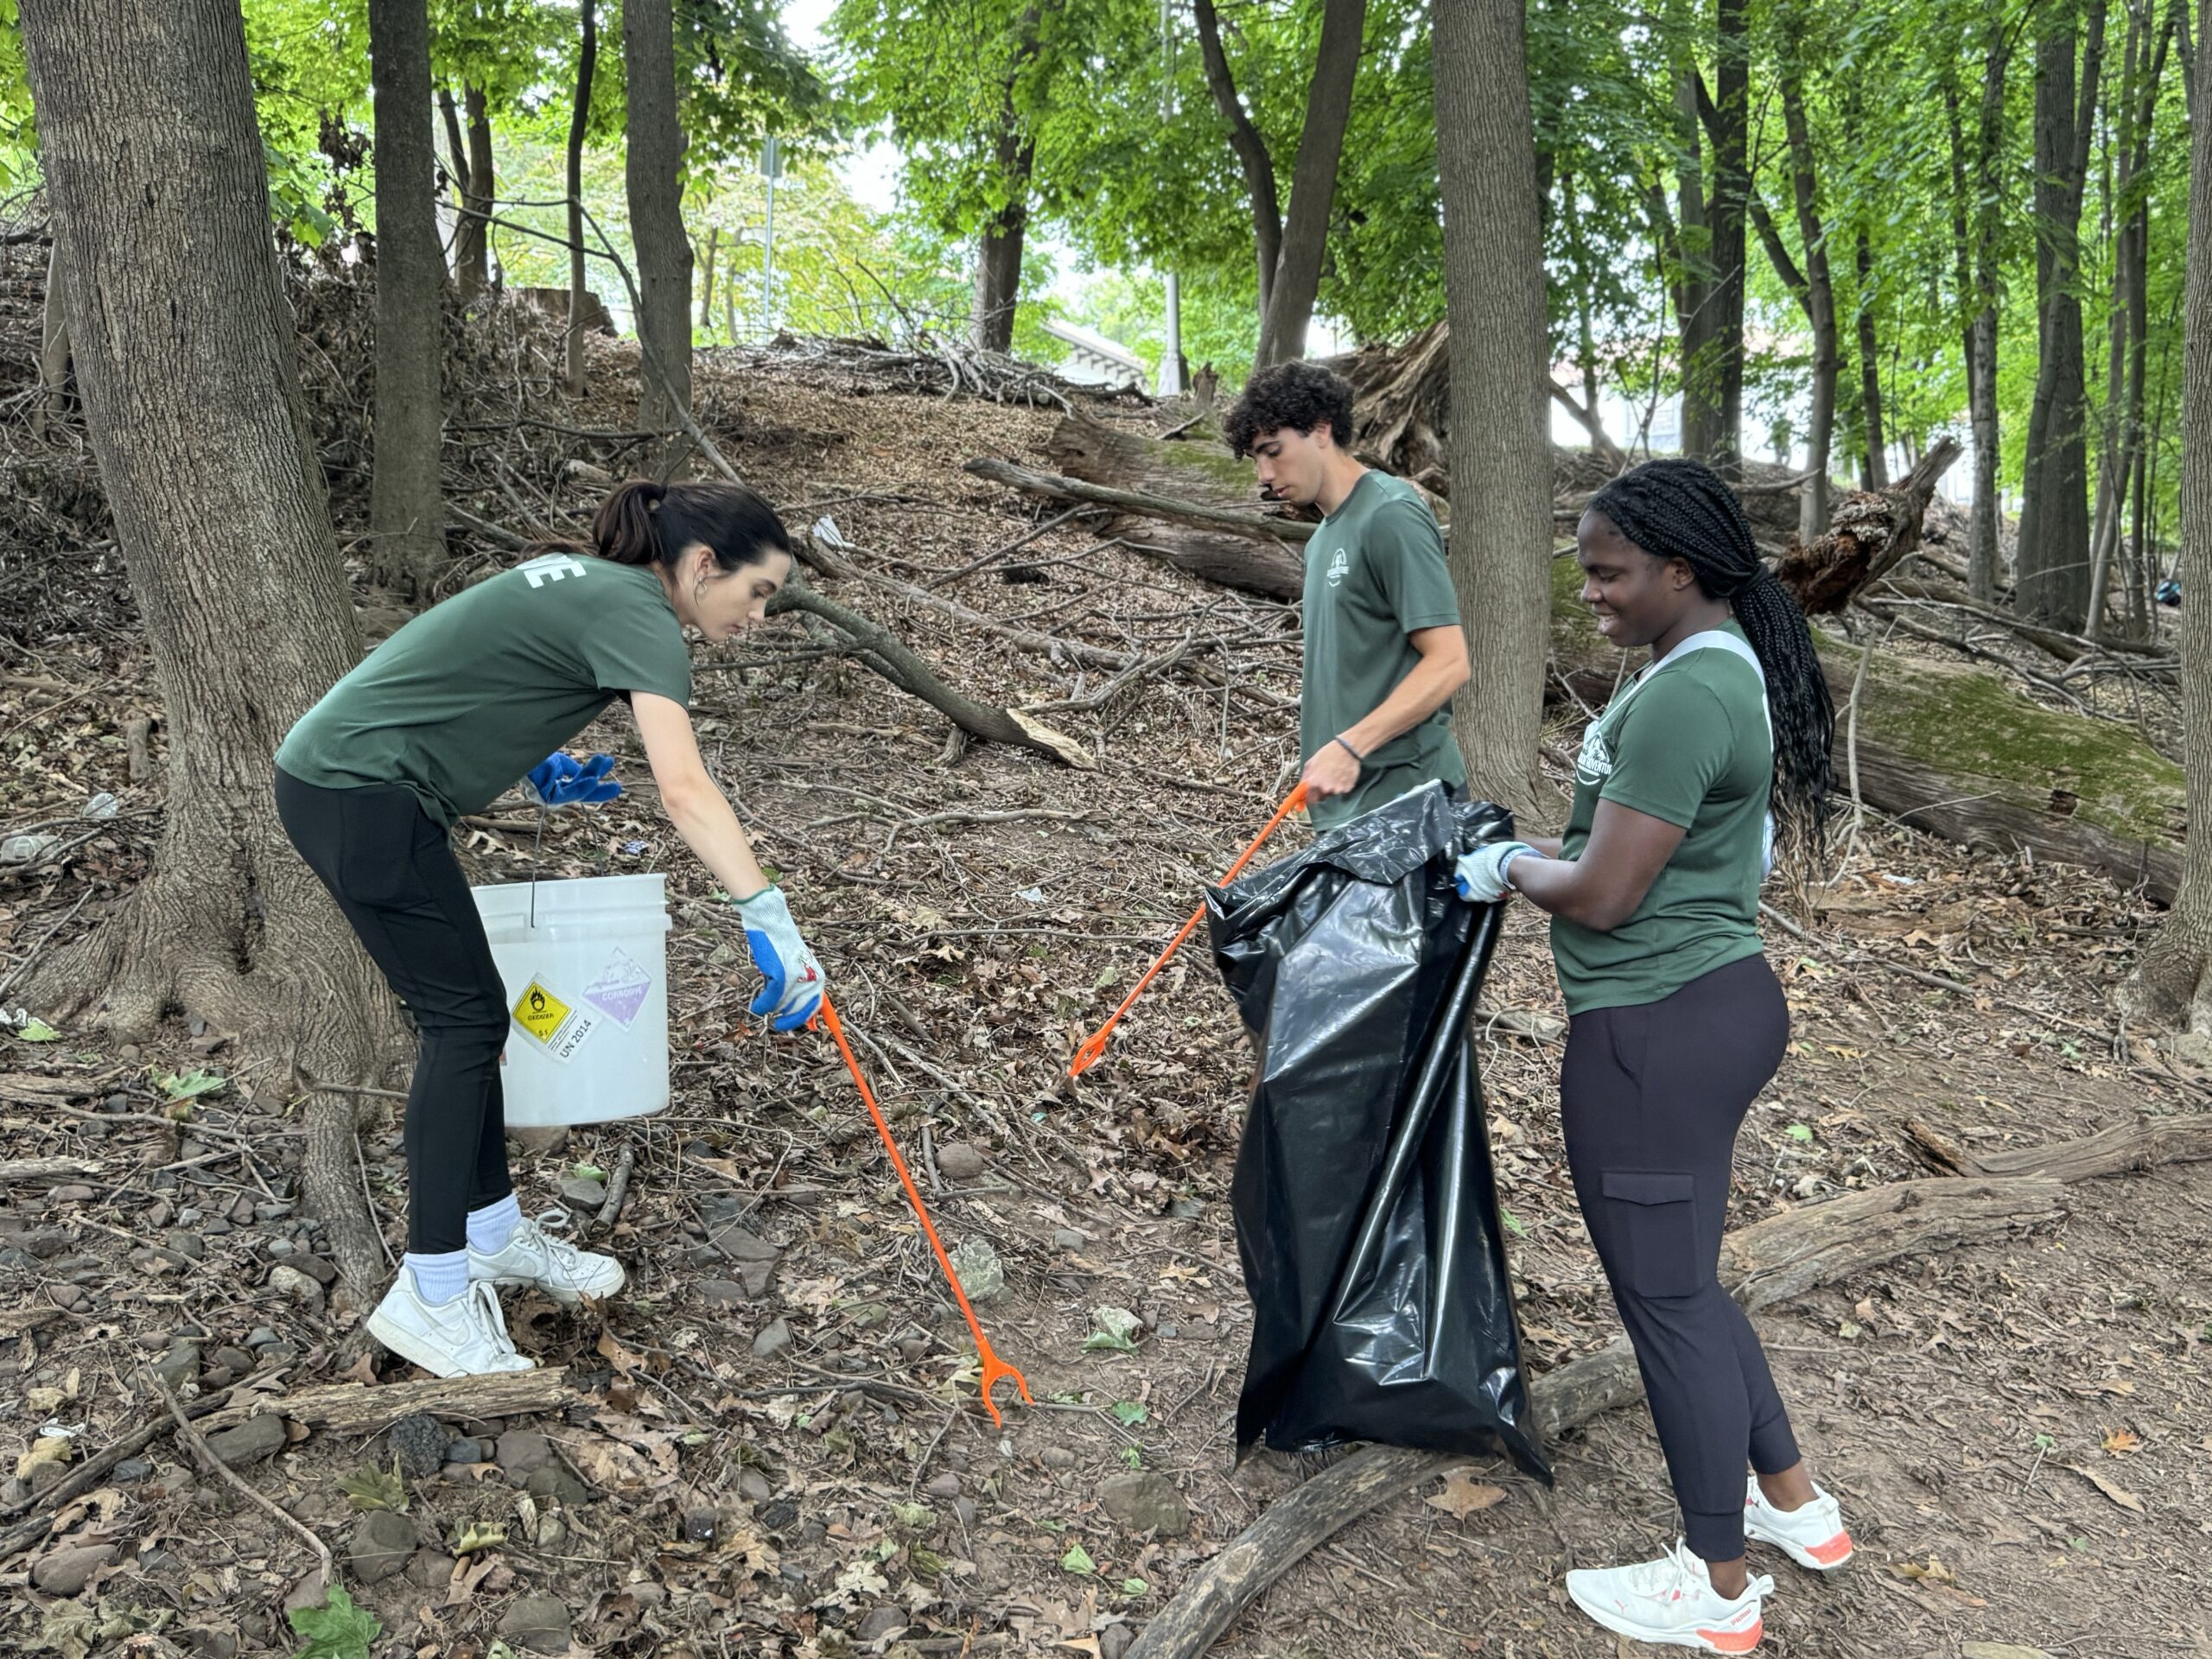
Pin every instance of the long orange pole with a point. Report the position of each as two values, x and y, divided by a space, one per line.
1094 1047
994 1367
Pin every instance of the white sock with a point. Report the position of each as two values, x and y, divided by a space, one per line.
490 1227
439 1279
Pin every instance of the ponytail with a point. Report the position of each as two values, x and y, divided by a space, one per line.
644 523
1681 510
625 529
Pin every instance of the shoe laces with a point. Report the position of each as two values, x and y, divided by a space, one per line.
1674 1575
484 1314
558 1252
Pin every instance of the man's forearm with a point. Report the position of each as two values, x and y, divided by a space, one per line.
1425 689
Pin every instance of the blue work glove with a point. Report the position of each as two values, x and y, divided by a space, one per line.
560 781
1480 876
792 995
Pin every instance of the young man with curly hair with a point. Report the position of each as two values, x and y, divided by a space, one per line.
1384 650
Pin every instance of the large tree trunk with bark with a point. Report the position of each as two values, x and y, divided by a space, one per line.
653 171
2053 585
53 343
1975 215
1876 471
186 354
1500 437
1817 295
1731 189
406 509
469 161
998 253
1696 310
1313 185
579 123
2172 985
1251 150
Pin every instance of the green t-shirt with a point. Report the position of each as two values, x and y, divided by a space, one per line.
1687 742
1375 572
466 698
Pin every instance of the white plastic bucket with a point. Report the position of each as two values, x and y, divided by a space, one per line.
587 985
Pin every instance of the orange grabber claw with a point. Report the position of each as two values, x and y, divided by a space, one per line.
1094 1046
994 1367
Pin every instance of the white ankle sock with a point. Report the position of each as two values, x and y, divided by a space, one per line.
439 1279
490 1227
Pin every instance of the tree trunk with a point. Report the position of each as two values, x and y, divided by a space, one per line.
1251 151
1313 185
1696 305
1819 298
186 354
2172 984
2114 456
1731 187
652 170
1499 435
998 255
406 509
1978 204
578 120
472 193
1877 469
707 280
2054 557
53 343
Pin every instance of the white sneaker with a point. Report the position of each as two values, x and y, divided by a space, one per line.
466 1337
1671 1601
534 1258
1813 1534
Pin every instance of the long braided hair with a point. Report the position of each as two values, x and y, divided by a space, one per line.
1681 510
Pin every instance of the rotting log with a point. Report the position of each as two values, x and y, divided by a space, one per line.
1870 533
1768 1263
1958 753
358 1409
2123 1149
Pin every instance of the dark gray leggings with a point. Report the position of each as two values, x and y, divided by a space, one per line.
1650 1098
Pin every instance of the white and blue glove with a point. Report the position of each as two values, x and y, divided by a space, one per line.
561 780
792 995
1480 875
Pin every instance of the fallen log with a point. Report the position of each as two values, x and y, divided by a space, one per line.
358 1409
1766 1264
1870 533
1958 753
2123 1149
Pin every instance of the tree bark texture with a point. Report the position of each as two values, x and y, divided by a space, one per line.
470 163
579 121
1732 189
1500 431
186 354
1976 215
1313 184
1877 470
406 512
53 343
707 279
1818 294
1251 150
2053 584
653 171
1696 307
998 255
2172 984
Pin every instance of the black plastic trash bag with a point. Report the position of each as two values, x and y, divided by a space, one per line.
1366 1208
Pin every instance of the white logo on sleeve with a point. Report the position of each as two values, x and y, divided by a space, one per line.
552 568
1339 566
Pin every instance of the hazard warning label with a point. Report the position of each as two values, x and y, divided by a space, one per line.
559 1028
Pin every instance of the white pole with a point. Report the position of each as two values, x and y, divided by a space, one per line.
1170 360
771 165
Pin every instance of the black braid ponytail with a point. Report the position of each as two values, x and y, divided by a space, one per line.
1681 510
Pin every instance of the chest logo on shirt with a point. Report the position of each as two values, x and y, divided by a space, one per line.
552 568
1339 566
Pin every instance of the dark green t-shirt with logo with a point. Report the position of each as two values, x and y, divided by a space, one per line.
1687 742
466 698
1375 572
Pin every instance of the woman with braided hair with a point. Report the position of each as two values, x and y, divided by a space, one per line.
1676 1021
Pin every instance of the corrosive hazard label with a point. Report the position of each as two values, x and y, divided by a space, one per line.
560 1028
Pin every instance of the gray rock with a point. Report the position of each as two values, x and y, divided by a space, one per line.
419 1441
159 1213
1066 1238
946 1485
429 1569
960 1162
773 1340
261 1337
188 1244
67 1571
46 1242
1187 1208
237 1359
317 1270
252 1441
282 1246
290 1281
540 1140
980 1274
880 1623
739 1243
756 1276
382 1543
1058 1457
180 1366
70 1194
538 1623
579 1192
466 1450
132 1470
558 1483
965 1509
753 1486
1115 1640
523 1451
1145 1502
268 1211
214 1644
723 1292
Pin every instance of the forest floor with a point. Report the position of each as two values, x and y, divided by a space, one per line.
775 1446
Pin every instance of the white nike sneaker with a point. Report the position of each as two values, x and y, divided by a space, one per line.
466 1337
534 1258
1813 1534
1671 1601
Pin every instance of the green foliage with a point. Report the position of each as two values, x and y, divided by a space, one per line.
337 1630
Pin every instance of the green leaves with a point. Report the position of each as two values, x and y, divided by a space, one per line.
372 1488
1128 1413
1077 1561
337 1630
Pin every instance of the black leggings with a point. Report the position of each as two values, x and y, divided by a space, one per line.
392 872
1650 1099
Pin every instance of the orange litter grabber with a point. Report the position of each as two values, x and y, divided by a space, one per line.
994 1367
1094 1047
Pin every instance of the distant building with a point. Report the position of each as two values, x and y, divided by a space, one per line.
1095 360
